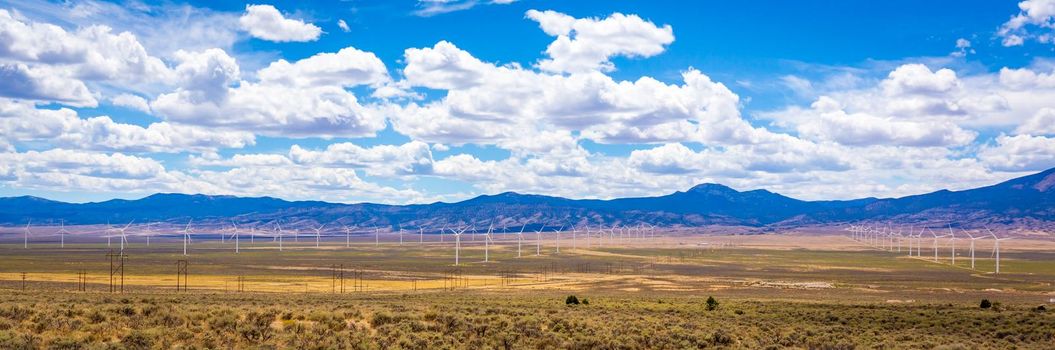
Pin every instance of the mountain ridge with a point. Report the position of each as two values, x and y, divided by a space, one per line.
1025 202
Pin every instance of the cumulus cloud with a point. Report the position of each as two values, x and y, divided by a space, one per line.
131 101
22 122
587 44
343 25
300 99
267 23
1020 153
19 81
491 104
1035 20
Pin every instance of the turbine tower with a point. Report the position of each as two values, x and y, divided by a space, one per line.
538 240
520 238
186 237
25 235
62 234
973 238
996 247
318 234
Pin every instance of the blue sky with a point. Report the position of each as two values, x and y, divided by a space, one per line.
411 102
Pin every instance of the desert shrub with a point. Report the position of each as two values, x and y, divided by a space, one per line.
711 303
256 327
985 304
16 313
720 337
1040 308
137 340
15 341
571 300
585 301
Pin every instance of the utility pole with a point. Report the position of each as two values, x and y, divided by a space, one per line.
117 270
181 275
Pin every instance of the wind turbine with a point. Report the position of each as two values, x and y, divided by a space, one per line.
587 234
318 234
973 238
421 235
62 234
234 227
25 235
377 233
458 244
400 234
186 237
124 238
520 238
487 241
996 247
574 230
538 240
278 229
347 236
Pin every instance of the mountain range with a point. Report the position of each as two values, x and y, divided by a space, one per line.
1023 203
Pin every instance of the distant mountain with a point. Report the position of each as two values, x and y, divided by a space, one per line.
1026 202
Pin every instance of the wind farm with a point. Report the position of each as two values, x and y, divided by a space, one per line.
512 174
836 267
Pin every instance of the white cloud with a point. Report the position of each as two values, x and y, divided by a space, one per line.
343 25
1035 15
22 122
347 67
53 63
301 99
963 48
587 44
428 8
131 101
19 81
383 160
491 104
265 22
1042 123
1019 153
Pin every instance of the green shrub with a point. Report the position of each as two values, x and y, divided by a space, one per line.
986 304
571 300
711 303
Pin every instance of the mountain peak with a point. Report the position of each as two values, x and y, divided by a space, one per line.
711 188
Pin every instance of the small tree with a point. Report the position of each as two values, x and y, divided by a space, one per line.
986 304
587 302
571 300
711 303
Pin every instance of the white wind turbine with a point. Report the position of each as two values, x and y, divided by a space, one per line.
124 238
556 235
25 235
377 235
587 235
318 234
62 234
278 229
400 234
421 235
348 236
186 237
520 238
487 241
973 238
458 244
538 240
935 243
237 244
996 247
